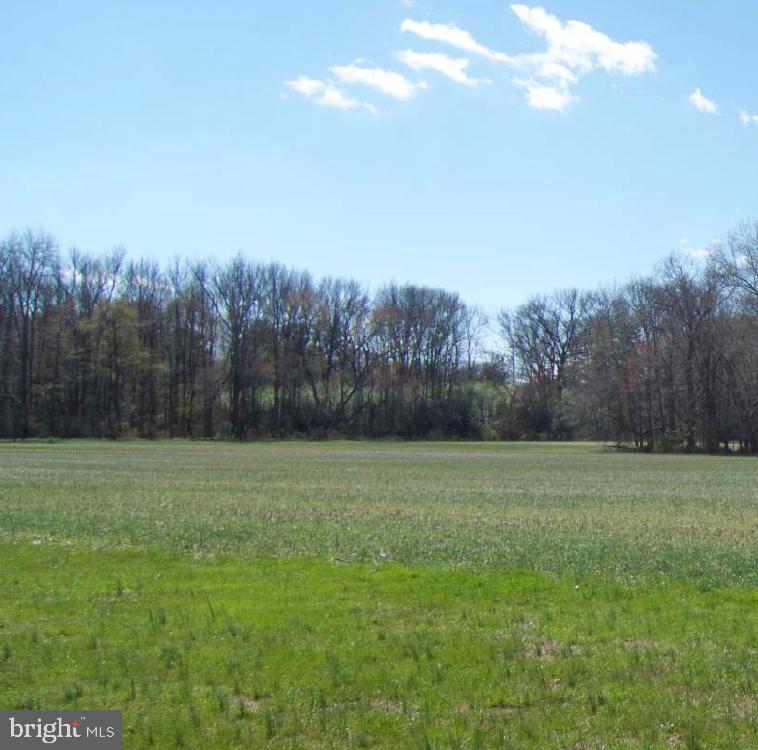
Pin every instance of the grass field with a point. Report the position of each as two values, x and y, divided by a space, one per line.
389 595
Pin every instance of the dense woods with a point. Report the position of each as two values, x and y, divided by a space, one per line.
110 347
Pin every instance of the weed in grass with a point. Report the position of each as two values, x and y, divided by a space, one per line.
73 692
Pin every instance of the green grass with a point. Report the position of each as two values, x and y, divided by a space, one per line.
383 595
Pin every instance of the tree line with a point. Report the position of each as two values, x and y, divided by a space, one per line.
104 346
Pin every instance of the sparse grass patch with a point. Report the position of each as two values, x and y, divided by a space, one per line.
382 595
324 655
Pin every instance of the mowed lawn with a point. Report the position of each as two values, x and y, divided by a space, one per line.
389 595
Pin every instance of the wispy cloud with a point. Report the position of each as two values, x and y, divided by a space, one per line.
579 47
702 103
452 67
449 33
698 253
325 94
573 49
541 96
548 77
389 83
748 119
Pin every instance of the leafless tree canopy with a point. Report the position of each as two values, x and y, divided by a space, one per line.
106 346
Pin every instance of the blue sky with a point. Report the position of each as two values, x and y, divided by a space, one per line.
353 138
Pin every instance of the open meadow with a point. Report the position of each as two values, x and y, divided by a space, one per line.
388 595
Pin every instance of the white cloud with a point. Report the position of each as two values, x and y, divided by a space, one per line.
389 83
325 95
333 97
698 253
573 49
541 96
452 67
449 33
702 103
551 70
581 48
748 119
307 86
548 77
